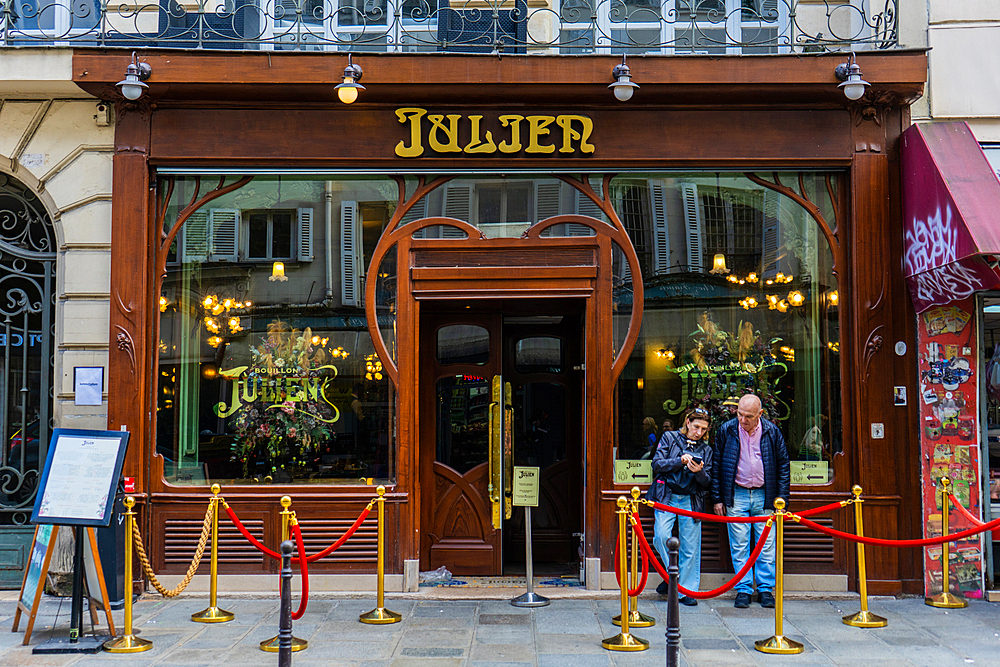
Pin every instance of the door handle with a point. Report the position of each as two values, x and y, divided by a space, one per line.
495 454
508 451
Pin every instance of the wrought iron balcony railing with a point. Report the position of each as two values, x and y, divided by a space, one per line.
470 26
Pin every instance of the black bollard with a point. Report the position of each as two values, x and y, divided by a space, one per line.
285 617
673 608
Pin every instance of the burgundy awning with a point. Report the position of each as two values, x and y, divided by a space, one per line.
951 214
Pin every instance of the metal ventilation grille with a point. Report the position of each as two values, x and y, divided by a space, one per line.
804 545
180 539
362 547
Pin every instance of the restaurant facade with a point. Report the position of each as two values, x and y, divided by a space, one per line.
489 261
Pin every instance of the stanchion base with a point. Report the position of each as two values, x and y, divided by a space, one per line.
636 619
127 644
271 645
947 600
380 616
865 619
530 599
625 641
213 615
779 644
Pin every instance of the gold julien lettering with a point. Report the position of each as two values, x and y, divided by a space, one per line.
477 146
412 116
458 133
514 145
537 128
450 132
569 134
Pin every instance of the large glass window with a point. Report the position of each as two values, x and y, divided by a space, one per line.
267 372
739 297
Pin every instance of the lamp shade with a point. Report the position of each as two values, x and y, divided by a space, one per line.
719 264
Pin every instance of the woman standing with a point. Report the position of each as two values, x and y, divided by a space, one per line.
682 475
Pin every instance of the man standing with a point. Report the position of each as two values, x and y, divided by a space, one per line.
751 469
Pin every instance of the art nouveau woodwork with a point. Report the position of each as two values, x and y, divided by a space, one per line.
748 114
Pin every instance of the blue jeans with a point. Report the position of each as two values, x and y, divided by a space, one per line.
689 532
747 502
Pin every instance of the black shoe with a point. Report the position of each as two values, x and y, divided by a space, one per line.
662 589
688 601
766 599
742 600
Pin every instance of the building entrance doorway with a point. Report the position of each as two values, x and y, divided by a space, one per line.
501 385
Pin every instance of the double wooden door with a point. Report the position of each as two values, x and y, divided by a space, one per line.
501 386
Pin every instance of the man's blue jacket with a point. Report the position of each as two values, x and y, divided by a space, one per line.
773 453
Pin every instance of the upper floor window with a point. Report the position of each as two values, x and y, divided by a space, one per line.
232 235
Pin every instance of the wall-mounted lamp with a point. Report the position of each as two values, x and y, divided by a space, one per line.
850 73
639 384
719 264
348 91
623 86
135 75
833 298
278 272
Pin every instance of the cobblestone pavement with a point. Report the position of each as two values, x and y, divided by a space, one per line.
491 633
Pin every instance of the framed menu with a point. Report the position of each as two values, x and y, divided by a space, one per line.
80 478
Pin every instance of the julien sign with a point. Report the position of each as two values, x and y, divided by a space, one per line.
566 134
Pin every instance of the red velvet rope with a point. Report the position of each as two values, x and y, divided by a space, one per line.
709 517
339 543
973 519
304 567
820 510
704 595
930 541
250 538
632 592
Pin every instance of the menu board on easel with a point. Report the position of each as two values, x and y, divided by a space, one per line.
81 474
33 583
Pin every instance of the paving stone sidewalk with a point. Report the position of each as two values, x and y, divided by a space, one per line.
491 633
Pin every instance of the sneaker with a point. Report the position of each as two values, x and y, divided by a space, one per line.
663 588
742 600
688 601
766 599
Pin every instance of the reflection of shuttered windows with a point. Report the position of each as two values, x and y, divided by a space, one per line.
231 235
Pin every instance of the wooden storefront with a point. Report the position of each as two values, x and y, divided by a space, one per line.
247 113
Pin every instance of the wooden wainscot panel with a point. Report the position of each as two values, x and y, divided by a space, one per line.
176 523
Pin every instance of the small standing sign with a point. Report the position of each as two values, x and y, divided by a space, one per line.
77 488
525 486
526 495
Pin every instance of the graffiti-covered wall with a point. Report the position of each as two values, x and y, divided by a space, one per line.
949 416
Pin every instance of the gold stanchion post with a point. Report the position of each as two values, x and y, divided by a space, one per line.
946 599
271 645
128 642
636 619
380 615
864 618
213 614
624 641
779 643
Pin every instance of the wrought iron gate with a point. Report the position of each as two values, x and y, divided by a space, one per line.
27 308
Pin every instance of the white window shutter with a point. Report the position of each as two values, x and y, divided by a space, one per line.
586 206
350 254
547 200
194 241
458 202
661 233
692 222
769 258
305 234
224 225
418 212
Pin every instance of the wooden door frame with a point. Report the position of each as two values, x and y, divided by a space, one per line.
577 267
